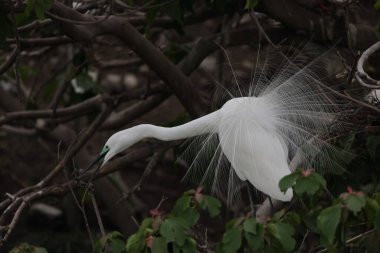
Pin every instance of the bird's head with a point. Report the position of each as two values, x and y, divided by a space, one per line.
117 143
114 145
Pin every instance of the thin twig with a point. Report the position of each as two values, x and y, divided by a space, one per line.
70 153
352 239
76 201
303 240
96 20
98 217
148 169
20 91
57 190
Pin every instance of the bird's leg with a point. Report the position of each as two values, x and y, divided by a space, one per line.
271 206
253 209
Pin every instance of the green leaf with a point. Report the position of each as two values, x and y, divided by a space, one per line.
249 226
83 83
377 5
39 250
173 230
354 203
288 181
150 16
250 4
371 208
306 185
255 241
182 204
176 248
234 222
319 179
147 222
27 248
373 144
135 243
29 7
190 216
117 246
376 221
293 218
211 204
40 13
173 10
190 246
113 240
159 245
231 240
5 28
38 7
310 221
283 233
327 222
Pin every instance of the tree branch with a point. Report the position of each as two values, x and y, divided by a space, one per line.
361 76
121 28
10 60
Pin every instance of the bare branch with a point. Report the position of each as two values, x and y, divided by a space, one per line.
127 115
148 169
293 15
361 76
41 42
10 60
119 27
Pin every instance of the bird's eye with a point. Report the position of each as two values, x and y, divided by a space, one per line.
105 149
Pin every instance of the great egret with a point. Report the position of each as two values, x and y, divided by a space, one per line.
258 133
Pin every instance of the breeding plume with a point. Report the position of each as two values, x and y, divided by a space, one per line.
255 135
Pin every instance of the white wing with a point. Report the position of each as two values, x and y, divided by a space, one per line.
255 150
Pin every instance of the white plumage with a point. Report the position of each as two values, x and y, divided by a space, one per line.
258 134
252 145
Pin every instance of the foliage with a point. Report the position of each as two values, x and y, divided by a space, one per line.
112 242
335 221
37 7
250 4
330 210
26 248
377 7
161 232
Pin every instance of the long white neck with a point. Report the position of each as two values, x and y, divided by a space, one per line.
203 125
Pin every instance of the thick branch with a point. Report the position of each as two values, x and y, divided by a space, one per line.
136 110
119 27
361 76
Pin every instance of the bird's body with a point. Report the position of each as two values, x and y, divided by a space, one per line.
255 150
248 139
257 134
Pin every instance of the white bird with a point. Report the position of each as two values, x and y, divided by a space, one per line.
258 134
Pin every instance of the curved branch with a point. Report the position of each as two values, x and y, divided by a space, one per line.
361 76
121 118
11 59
